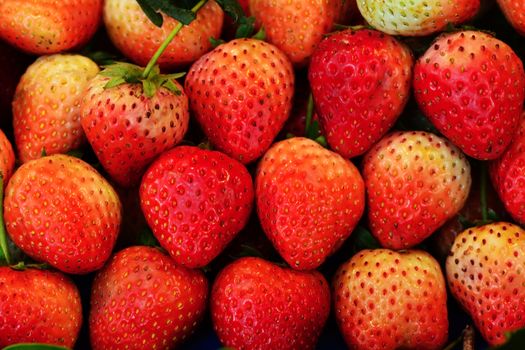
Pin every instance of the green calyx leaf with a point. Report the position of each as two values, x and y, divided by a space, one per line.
179 10
34 346
122 73
245 28
216 42
260 35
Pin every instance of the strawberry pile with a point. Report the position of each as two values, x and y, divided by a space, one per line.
278 174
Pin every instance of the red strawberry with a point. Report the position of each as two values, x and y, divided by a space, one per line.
138 39
309 200
7 158
49 26
38 306
196 201
256 304
360 82
143 300
471 86
59 210
391 300
415 182
514 11
128 129
296 27
507 174
416 18
46 105
241 94
485 274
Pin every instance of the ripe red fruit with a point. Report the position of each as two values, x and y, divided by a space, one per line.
127 129
296 27
256 304
137 38
46 105
241 94
507 175
196 201
391 300
514 11
38 306
143 300
48 26
485 274
61 211
309 200
415 182
360 82
471 86
7 158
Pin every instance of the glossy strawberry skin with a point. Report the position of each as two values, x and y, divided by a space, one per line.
309 200
296 27
47 26
507 175
46 105
143 300
256 304
127 130
415 182
196 201
391 300
38 306
485 274
138 38
416 18
241 94
514 11
7 158
61 211
471 86
360 82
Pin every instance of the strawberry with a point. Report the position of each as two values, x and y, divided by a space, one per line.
416 18
7 158
128 126
360 82
507 175
241 94
485 274
196 201
38 306
415 182
348 12
514 11
48 26
256 304
59 210
143 300
46 105
391 300
471 86
309 200
138 39
296 27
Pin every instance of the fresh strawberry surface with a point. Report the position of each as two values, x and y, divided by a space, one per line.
61 211
391 300
309 200
241 94
38 306
360 82
256 304
7 158
471 86
46 105
143 300
196 201
514 11
49 26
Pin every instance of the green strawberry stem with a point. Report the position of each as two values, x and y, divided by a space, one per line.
3 233
168 40
483 193
309 113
